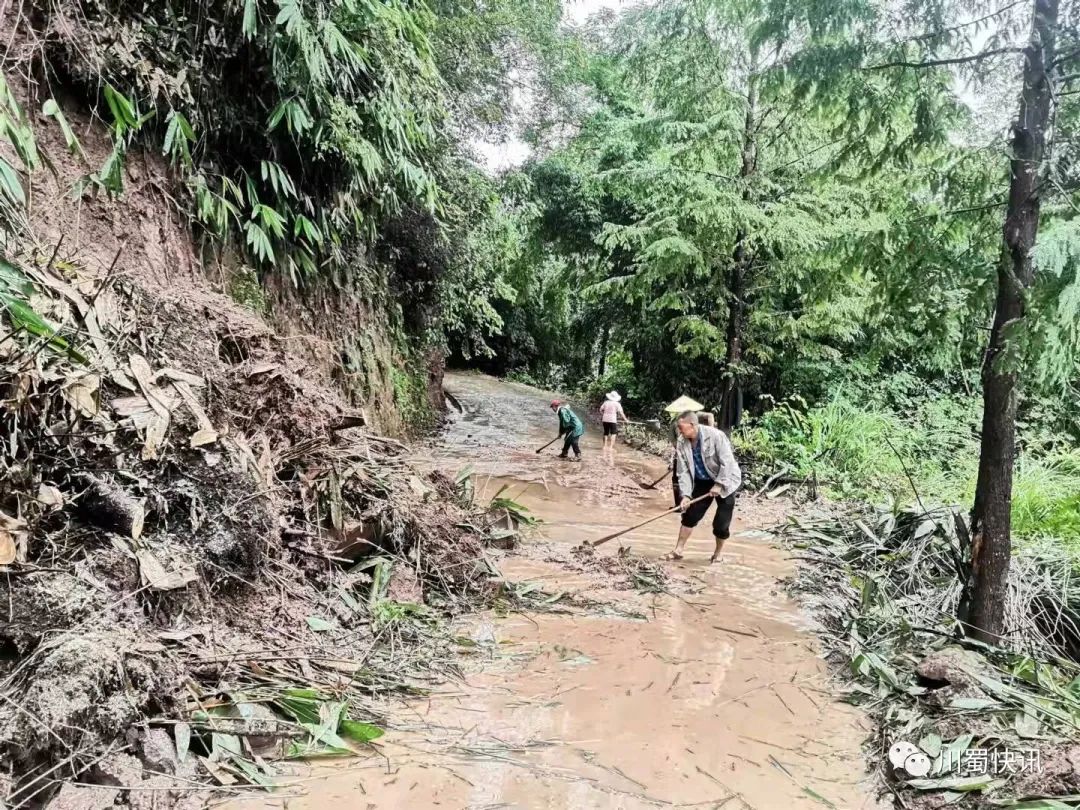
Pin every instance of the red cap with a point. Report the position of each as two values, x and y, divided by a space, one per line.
555 403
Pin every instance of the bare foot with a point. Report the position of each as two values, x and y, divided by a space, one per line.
715 558
672 555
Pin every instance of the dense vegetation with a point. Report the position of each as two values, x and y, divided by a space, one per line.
792 210
795 211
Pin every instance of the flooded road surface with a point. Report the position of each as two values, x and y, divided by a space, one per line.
712 697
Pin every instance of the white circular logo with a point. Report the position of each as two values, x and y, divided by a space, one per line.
900 751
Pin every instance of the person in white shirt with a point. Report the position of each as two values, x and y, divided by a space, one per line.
610 414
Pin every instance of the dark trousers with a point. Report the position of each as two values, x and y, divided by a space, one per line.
725 509
571 443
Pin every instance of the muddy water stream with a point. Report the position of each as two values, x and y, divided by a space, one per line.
713 697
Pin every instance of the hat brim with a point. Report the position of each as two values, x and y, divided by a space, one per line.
684 403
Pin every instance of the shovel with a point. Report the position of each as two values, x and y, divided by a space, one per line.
654 483
666 512
546 446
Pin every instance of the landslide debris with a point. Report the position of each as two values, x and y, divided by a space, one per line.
207 561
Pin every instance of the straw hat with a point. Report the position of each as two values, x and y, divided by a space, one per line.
684 403
613 396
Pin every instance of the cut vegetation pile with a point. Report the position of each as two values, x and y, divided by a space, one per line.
208 562
961 722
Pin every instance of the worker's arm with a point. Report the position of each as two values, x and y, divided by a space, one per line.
730 474
686 478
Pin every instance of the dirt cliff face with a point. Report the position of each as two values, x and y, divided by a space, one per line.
341 329
197 486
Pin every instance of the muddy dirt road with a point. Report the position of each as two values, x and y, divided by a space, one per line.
713 696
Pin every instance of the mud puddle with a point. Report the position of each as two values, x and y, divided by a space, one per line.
714 697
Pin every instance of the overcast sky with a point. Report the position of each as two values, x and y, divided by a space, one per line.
993 114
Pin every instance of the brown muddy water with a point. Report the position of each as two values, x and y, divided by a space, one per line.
717 697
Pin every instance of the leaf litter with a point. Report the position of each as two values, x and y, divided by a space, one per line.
204 571
990 726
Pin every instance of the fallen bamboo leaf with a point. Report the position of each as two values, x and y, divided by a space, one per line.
319 625
177 375
182 733
50 496
156 429
81 394
128 406
201 438
154 575
161 402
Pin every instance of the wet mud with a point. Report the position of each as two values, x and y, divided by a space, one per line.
711 695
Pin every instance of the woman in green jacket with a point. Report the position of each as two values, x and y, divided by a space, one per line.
571 426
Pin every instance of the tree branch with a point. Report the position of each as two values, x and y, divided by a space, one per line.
956 60
959 26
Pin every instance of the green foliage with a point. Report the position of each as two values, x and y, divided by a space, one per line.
16 290
860 449
306 123
16 133
245 289
410 397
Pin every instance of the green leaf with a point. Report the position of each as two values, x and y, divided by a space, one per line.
931 745
23 315
289 15
319 625
123 112
250 25
178 136
111 174
14 279
182 732
271 219
300 704
259 243
222 745
253 772
961 784
52 110
359 732
10 183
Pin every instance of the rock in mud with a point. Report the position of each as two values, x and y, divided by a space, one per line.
118 770
86 686
77 797
953 667
1057 774
158 751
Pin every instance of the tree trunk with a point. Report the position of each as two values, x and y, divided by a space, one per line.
731 396
991 546
605 337
738 308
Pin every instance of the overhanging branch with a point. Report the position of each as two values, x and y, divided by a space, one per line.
956 60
